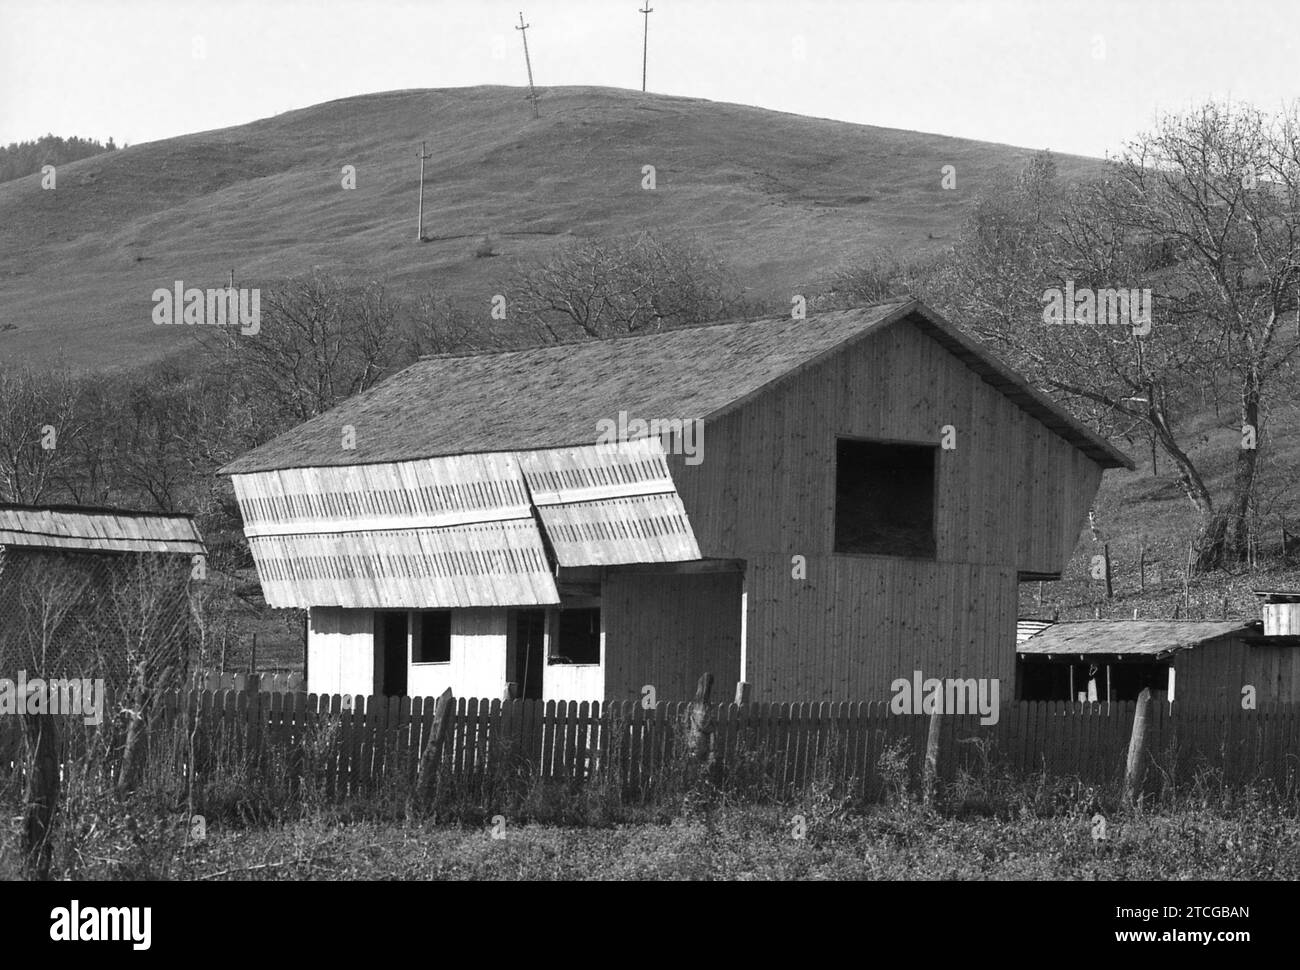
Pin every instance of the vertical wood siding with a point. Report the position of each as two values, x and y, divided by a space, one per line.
1011 497
478 658
1211 676
666 630
340 651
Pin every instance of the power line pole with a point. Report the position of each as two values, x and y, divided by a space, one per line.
532 93
645 41
419 232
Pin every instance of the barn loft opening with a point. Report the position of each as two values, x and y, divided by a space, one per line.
884 498
577 637
431 638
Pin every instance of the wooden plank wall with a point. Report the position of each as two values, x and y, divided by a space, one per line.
856 623
667 630
1011 497
341 650
1213 674
1012 492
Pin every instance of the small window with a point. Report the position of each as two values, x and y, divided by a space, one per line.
884 498
577 639
432 641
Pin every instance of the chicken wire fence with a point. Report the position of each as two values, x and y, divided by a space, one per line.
122 618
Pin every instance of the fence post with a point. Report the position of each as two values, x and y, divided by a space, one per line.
1137 748
699 727
930 769
431 757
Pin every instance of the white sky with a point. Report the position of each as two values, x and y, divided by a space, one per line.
1016 71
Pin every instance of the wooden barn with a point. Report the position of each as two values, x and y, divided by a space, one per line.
76 583
1200 664
817 507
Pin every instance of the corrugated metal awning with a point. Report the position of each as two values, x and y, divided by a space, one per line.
485 564
436 533
606 505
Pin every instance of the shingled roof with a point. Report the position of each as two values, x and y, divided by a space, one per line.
553 396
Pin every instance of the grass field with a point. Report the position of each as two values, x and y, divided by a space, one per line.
1224 842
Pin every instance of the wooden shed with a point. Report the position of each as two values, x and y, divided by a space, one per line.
1201 664
815 506
76 582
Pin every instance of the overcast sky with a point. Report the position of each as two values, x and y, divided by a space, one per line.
1077 77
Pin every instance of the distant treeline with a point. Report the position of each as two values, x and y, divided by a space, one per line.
26 157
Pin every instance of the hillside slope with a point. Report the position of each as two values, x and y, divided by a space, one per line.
782 197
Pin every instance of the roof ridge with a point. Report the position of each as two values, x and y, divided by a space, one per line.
92 510
612 338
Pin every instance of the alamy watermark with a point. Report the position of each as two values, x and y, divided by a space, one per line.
1106 307
75 923
218 306
80 696
680 436
949 696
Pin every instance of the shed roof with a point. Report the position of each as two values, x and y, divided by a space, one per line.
1133 637
1278 595
553 396
77 528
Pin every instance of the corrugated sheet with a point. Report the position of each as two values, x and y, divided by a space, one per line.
553 396
609 505
1137 637
417 494
97 530
438 533
1030 628
488 564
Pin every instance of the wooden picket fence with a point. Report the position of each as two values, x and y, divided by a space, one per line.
352 743
278 681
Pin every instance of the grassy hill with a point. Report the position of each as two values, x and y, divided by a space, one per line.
782 197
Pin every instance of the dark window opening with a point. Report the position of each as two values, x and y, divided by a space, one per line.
577 639
530 640
884 498
1038 680
433 644
391 660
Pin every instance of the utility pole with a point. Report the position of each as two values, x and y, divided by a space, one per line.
645 41
419 232
532 93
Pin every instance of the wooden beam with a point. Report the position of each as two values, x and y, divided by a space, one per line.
689 568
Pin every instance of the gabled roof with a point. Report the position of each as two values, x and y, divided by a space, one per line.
84 529
1153 638
553 396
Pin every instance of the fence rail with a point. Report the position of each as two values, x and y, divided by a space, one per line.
353 742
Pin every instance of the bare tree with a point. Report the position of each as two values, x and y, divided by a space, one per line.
322 339
441 325
605 287
1205 213
39 593
40 422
